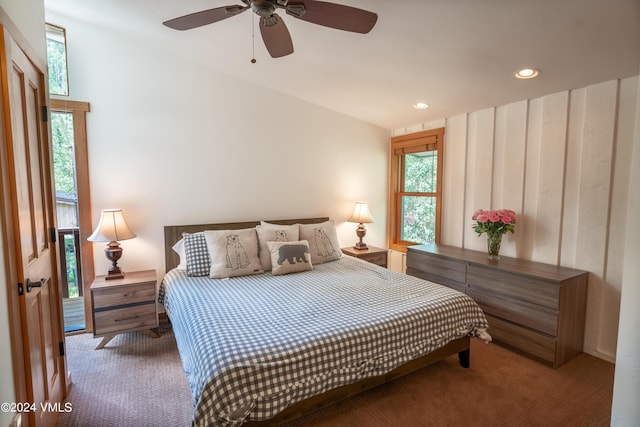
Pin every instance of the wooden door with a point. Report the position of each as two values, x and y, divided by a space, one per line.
32 229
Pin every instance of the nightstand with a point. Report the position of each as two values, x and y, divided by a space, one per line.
124 305
371 254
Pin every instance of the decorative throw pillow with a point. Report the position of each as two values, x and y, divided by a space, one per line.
323 241
273 232
196 254
289 257
233 252
179 249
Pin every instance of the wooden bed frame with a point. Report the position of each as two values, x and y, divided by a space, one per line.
173 234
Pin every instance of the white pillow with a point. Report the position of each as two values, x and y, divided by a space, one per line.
289 257
179 249
233 253
323 241
268 232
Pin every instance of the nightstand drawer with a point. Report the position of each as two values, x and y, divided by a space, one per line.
127 318
371 254
122 295
376 258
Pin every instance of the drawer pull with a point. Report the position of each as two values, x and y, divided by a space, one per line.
126 318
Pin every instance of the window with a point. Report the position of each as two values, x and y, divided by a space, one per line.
416 189
57 60
71 176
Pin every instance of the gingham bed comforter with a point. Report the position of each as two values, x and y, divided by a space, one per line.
251 346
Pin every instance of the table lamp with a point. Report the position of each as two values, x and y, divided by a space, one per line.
111 228
361 215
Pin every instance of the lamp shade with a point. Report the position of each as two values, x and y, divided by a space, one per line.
111 228
361 213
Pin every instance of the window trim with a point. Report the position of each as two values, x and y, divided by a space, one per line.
430 140
79 110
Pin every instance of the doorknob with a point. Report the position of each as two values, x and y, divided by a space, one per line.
31 285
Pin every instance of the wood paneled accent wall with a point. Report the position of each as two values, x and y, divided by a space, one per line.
562 162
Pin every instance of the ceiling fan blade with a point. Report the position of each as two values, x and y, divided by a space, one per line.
333 15
275 35
205 17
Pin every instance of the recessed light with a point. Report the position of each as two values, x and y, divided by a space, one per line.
527 73
420 105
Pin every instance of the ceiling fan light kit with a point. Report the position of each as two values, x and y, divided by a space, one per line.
275 33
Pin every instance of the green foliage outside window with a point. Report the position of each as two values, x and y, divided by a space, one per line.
419 211
72 259
63 152
57 60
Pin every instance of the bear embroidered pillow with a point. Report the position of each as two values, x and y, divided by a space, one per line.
323 241
289 257
273 232
233 252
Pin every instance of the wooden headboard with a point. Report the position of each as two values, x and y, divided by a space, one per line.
173 233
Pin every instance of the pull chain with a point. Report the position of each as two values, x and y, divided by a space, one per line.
253 39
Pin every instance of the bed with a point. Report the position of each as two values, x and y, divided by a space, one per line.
266 347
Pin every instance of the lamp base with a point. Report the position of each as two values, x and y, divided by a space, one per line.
360 232
113 252
110 275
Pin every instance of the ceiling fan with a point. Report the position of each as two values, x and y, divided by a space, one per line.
274 32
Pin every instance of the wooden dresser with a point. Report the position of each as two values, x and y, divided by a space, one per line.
124 305
538 309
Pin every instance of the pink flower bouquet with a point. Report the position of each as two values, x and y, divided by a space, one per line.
494 221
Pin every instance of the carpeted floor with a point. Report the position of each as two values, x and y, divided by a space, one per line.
138 381
135 381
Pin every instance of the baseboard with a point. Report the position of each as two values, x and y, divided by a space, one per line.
16 420
69 382
595 353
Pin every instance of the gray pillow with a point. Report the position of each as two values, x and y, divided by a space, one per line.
233 253
196 254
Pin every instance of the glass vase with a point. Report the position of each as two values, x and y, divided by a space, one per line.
493 245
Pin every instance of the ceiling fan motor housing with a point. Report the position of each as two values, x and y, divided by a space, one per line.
264 8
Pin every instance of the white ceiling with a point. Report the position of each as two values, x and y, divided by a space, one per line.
457 55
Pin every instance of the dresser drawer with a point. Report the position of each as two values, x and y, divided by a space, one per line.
460 287
533 343
127 318
536 317
437 269
521 287
122 295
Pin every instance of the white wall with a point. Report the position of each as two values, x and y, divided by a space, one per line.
626 411
28 16
562 162
173 143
